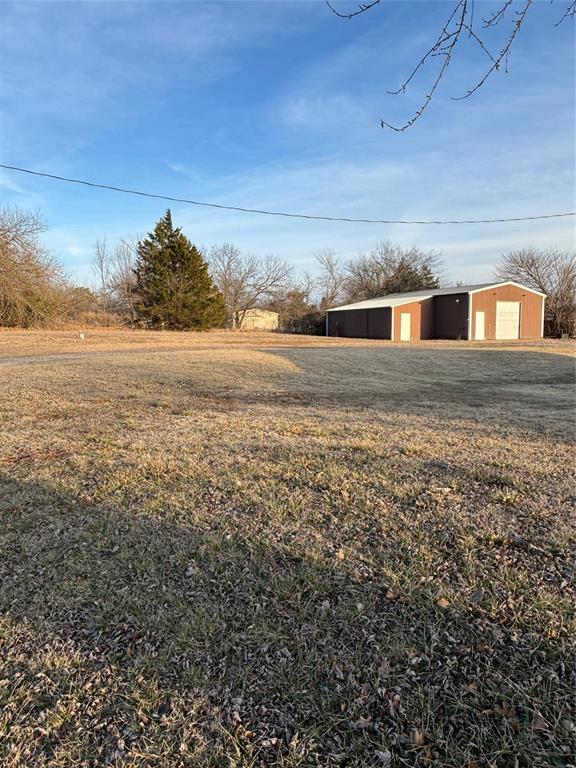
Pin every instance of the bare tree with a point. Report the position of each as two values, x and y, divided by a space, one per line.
123 277
331 282
33 287
390 268
20 228
116 281
552 272
245 280
102 268
296 307
460 26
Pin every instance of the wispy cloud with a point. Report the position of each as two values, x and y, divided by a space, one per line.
324 111
9 182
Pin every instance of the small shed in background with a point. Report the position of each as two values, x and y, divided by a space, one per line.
256 319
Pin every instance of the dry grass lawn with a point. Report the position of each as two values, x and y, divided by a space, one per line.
246 550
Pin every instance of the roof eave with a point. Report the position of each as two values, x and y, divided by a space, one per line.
397 303
509 282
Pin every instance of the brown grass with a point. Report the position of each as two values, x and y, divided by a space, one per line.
256 550
38 341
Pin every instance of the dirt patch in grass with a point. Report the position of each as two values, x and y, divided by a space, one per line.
254 557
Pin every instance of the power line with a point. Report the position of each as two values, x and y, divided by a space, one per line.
279 213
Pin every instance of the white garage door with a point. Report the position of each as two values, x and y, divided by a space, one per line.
507 319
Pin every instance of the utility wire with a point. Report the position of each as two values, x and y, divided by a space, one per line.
280 213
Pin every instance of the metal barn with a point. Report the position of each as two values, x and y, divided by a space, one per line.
506 310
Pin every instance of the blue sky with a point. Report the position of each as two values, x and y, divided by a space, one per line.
277 105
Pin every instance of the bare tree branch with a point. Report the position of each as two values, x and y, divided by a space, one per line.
443 48
459 22
520 18
123 277
441 40
498 15
116 280
19 227
569 13
361 9
102 269
332 280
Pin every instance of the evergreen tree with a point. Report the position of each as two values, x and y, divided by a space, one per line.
173 286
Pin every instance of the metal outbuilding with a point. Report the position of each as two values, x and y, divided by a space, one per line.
506 310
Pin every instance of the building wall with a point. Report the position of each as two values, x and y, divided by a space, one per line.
259 319
360 323
451 316
414 309
427 319
531 309
379 323
351 324
347 324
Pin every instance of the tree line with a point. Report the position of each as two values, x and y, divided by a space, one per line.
163 280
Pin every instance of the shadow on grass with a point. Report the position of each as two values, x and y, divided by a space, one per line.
529 390
129 641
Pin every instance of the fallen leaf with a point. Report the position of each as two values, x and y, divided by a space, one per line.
418 738
509 714
385 667
539 723
361 724
269 743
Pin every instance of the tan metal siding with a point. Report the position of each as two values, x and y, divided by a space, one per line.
531 309
417 326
